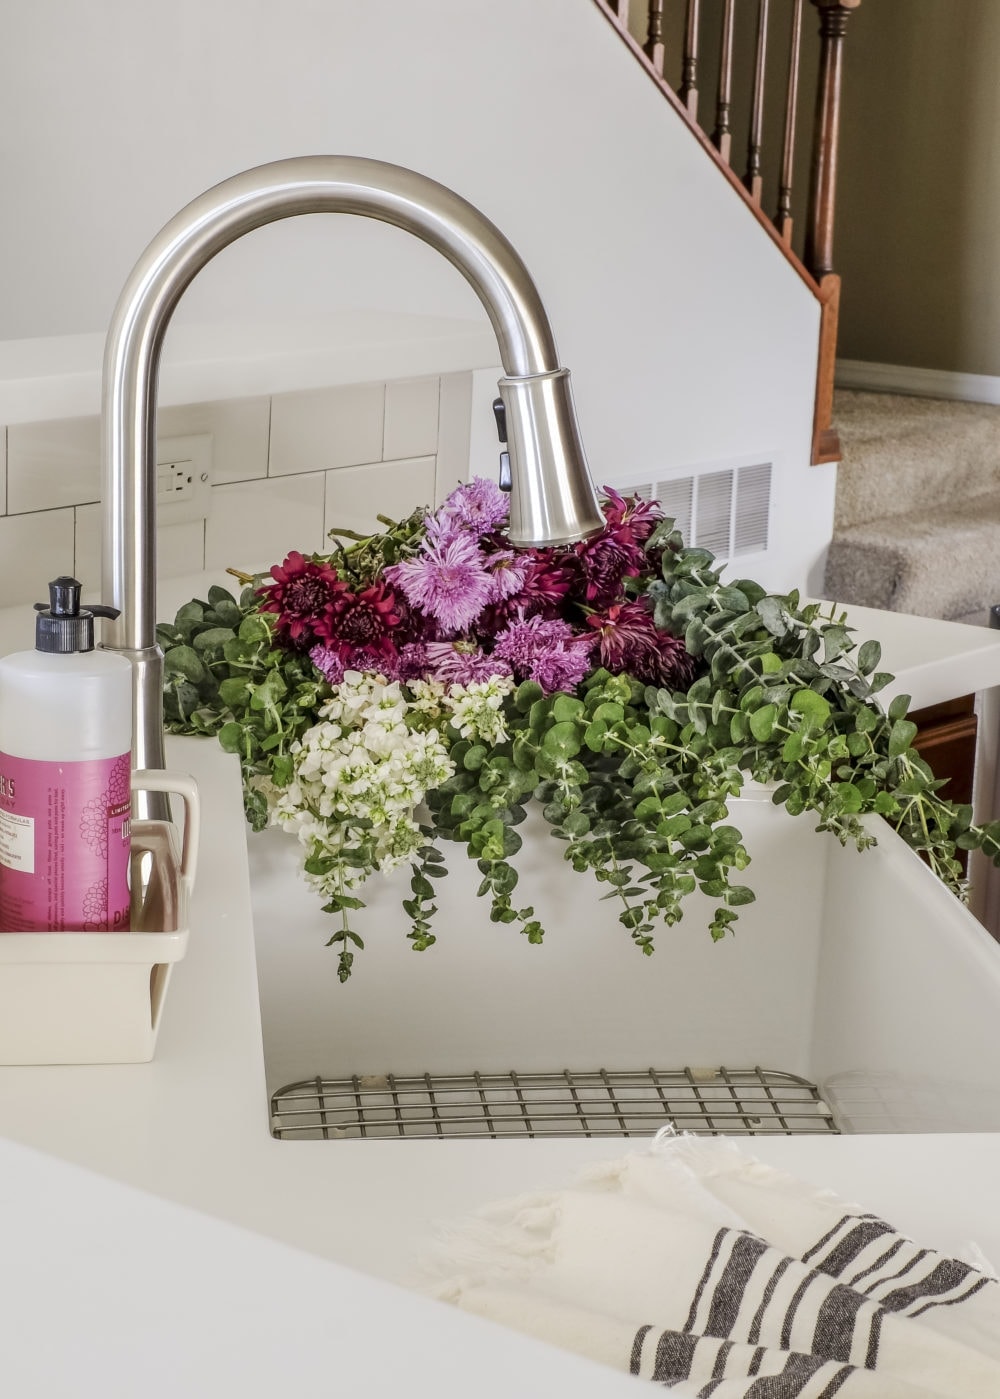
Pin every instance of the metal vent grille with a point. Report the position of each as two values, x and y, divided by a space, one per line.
753 506
709 1102
713 519
727 512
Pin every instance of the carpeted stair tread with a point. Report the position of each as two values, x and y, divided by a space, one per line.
904 454
943 562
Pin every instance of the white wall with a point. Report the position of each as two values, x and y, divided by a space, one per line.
689 338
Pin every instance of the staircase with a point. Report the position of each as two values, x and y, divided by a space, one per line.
678 43
918 506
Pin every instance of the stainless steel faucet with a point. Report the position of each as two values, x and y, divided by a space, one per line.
552 497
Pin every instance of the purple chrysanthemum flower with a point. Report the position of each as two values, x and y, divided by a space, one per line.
328 663
450 662
479 506
448 582
507 571
545 650
333 661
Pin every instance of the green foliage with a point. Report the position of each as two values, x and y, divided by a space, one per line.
223 676
634 781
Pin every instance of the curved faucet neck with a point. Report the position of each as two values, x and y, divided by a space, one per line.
553 498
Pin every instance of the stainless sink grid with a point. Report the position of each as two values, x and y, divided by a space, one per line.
708 1102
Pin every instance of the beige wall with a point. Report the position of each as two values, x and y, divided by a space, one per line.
918 227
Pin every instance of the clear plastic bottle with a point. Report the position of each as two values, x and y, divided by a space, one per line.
65 773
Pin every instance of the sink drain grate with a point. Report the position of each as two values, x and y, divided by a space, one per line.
709 1102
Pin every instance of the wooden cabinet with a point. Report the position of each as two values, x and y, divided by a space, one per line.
946 739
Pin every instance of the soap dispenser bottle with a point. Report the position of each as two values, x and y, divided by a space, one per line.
65 775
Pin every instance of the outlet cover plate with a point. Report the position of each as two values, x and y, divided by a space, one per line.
183 478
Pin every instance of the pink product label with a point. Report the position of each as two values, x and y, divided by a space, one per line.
64 845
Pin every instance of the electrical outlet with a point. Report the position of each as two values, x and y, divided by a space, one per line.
183 478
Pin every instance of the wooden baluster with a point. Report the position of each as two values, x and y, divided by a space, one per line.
689 72
783 218
834 15
753 180
653 47
722 136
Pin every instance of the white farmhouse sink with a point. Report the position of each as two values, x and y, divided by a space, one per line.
858 972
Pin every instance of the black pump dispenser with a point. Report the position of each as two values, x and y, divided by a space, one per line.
62 626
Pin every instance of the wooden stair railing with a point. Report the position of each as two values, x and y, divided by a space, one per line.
643 25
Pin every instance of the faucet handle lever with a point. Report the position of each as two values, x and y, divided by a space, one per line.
500 413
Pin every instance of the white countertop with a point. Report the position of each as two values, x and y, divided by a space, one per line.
191 1129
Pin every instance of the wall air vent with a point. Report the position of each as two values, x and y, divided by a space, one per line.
724 511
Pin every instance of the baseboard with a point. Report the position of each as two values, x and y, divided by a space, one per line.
924 383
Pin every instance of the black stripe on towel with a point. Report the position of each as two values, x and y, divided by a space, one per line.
800 1370
835 1384
832 1233
753 1335
727 1298
879 1263
793 1306
674 1356
719 1368
864 1233
716 1248
944 1277
950 1301
837 1323
636 1361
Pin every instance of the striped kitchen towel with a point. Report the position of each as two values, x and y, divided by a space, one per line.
695 1266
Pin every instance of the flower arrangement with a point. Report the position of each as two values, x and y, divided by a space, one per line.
424 684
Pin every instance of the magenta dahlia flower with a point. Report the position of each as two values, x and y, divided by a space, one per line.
549 576
448 582
545 650
362 622
631 520
301 594
629 642
604 565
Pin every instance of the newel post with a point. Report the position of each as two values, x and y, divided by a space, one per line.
833 16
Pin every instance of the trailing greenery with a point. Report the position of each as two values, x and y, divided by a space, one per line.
633 779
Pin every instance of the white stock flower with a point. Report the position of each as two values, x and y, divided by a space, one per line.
476 709
358 775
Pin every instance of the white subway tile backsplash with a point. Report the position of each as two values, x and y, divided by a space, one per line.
285 469
454 433
326 428
254 524
58 463
87 554
180 549
53 464
411 418
356 494
239 429
34 549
